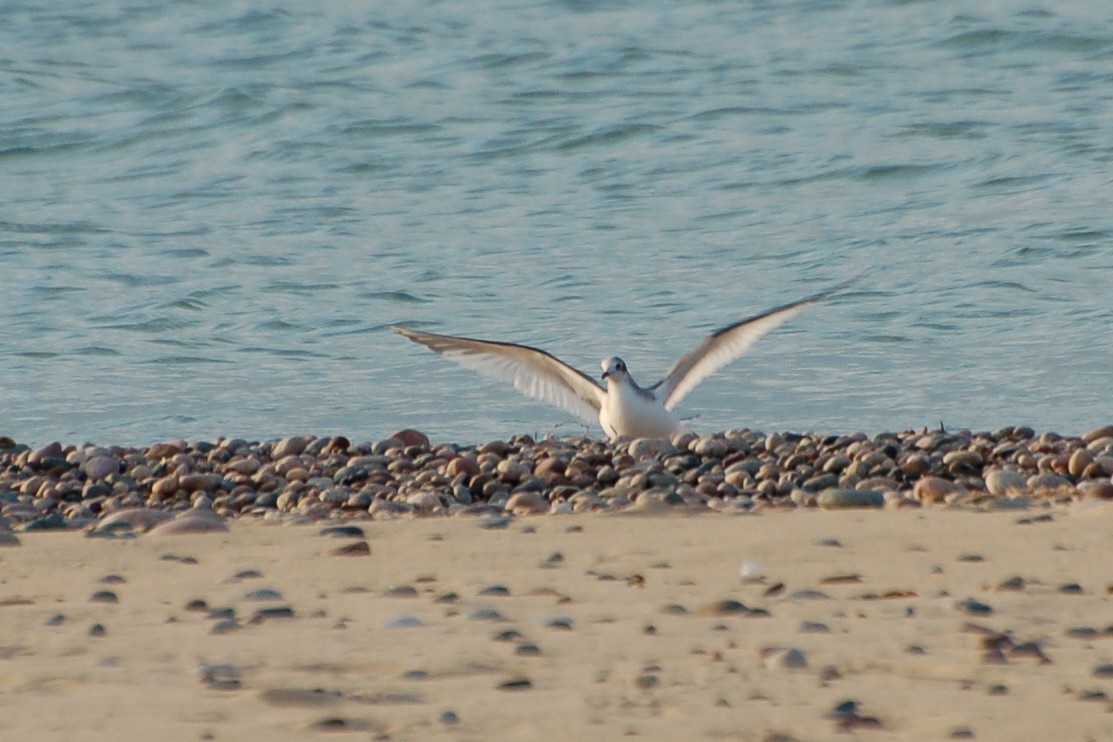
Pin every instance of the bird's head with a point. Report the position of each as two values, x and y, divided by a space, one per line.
614 368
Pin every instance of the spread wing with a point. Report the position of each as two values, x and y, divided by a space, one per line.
724 346
532 371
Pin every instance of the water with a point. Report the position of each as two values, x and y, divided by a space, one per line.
211 210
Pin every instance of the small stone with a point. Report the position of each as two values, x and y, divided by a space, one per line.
1103 671
646 681
1105 431
973 607
553 560
189 522
527 649
563 623
496 590
462 465
292 446
356 548
1047 482
402 622
527 502
650 448
410 437
220 677
100 467
936 489
1078 463
515 684
1013 583
346 531
104 596
1002 482
1082 632
98 630
710 446
51 522
449 717
277 611
51 450
225 626
727 607
1096 489
833 499
263 593
486 614
783 658
820 483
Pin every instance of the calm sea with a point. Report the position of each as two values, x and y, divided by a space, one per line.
210 211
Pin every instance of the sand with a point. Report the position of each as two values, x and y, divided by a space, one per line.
604 649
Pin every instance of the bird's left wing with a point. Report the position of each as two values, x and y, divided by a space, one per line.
532 371
724 346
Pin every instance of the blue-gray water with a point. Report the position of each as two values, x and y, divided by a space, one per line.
210 210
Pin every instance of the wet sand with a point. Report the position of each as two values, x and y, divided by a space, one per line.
932 623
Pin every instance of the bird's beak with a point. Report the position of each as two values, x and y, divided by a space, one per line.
605 374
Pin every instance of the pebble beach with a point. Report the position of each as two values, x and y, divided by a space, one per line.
927 584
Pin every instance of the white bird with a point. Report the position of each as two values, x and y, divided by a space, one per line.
622 408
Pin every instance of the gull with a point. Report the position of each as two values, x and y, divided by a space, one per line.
623 408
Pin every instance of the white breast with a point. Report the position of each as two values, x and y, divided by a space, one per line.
627 412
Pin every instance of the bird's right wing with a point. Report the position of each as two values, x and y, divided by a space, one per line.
532 371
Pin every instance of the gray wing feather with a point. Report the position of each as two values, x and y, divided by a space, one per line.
532 371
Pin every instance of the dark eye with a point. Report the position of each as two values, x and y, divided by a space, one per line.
620 366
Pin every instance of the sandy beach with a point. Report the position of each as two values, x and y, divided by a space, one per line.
902 624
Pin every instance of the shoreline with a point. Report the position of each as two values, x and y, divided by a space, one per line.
115 489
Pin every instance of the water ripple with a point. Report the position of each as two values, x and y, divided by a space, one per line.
203 191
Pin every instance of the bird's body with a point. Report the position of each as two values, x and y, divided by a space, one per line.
622 408
629 410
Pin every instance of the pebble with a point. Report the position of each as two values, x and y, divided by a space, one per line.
834 499
263 593
974 607
726 607
291 446
346 531
189 522
783 658
402 622
100 467
934 490
1003 482
356 548
527 503
220 676
114 490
